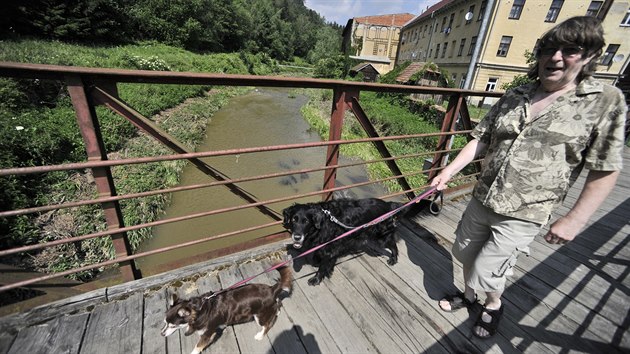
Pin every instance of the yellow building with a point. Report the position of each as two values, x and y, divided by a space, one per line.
482 43
374 39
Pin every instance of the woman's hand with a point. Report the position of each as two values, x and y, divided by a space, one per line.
440 180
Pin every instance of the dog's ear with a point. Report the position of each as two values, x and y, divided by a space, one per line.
286 214
172 299
183 312
196 304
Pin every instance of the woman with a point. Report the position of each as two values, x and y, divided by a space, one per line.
536 139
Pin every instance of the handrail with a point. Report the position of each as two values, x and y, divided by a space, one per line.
58 72
88 86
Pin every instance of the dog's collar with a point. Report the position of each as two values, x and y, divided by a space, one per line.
334 219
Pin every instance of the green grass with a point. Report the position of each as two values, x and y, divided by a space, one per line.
38 127
389 118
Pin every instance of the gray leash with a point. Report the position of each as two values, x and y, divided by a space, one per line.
334 219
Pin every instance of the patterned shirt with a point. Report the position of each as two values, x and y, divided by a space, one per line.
530 164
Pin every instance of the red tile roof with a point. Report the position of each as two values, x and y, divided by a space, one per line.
435 7
386 20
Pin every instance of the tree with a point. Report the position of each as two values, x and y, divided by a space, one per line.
519 80
327 44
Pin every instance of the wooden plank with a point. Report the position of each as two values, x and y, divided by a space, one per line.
61 335
398 316
379 331
570 326
6 340
431 284
587 288
245 332
115 327
510 330
226 341
155 305
346 335
283 337
313 333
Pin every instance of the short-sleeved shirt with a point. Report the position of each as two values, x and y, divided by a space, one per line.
530 164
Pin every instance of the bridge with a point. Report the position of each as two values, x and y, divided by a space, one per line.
571 298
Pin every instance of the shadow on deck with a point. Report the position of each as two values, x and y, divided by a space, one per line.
573 298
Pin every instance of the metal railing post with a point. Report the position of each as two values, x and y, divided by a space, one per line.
339 107
448 125
94 146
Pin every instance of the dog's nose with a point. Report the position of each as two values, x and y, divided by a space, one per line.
297 238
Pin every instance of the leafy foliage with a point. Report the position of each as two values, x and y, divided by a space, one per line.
281 29
38 127
519 80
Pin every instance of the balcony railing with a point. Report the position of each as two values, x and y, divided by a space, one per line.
89 87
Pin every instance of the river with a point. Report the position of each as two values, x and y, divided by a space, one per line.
260 118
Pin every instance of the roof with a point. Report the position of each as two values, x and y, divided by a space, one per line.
362 66
429 11
371 58
391 20
413 68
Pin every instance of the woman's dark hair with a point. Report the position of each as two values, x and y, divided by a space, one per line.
583 31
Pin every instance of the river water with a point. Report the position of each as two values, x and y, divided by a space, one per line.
261 118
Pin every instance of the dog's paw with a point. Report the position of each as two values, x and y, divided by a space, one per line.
314 281
392 261
259 335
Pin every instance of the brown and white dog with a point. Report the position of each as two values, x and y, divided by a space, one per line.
210 312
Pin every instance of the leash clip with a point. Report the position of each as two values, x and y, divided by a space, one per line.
334 219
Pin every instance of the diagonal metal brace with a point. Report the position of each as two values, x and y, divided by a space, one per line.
380 146
120 107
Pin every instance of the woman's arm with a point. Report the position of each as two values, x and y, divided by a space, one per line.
596 188
468 153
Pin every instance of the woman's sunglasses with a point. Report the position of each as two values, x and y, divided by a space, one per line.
566 51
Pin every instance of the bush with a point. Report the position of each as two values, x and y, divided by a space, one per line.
330 68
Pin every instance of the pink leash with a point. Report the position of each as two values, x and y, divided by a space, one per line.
373 222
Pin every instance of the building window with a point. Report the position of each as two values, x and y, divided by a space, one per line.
443 24
609 54
482 10
473 42
430 53
593 8
504 46
444 49
471 9
554 10
517 8
437 50
626 19
462 44
450 21
492 84
462 81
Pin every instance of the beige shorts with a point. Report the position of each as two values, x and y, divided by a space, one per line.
488 245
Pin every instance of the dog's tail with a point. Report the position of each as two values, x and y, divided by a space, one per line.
285 283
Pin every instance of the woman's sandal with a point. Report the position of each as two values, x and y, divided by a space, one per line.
491 326
457 301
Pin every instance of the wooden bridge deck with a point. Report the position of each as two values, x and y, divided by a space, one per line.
573 298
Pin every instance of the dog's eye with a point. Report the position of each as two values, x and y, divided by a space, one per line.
296 219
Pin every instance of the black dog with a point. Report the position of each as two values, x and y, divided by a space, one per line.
313 224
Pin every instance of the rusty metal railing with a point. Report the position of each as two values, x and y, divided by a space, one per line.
89 87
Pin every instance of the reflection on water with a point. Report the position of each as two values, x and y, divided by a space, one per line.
260 118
